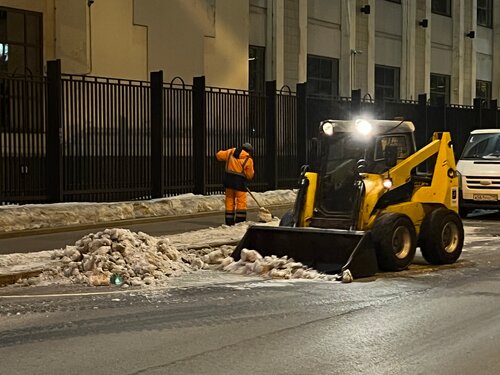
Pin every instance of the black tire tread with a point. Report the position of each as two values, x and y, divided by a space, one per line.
382 235
430 237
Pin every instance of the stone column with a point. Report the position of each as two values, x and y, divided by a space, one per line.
275 39
423 49
457 78
370 52
302 74
495 91
408 46
470 53
347 44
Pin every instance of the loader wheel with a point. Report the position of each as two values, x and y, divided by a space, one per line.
441 237
395 241
287 219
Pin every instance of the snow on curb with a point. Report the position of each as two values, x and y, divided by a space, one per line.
36 216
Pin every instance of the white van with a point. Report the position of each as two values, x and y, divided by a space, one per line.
479 171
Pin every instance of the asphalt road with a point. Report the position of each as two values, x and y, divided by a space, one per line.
427 320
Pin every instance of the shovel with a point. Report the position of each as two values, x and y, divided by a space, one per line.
264 214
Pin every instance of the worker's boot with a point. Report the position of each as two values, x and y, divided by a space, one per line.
241 216
229 218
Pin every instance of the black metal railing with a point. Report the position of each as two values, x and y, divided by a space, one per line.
106 139
80 138
23 159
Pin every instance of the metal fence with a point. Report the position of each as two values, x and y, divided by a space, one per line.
106 139
80 138
178 134
23 158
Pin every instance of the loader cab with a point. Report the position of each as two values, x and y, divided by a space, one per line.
348 150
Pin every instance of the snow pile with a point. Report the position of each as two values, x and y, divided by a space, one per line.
142 260
139 259
253 263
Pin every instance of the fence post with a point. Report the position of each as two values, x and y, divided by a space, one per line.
157 121
54 131
199 136
478 118
355 103
302 124
271 136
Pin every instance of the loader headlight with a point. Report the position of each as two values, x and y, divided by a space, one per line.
327 128
363 127
387 183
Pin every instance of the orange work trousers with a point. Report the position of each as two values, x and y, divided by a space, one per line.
236 206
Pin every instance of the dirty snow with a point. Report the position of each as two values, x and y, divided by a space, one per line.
143 260
36 216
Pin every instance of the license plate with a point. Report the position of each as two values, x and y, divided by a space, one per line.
485 197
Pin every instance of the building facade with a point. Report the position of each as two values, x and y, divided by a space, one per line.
389 49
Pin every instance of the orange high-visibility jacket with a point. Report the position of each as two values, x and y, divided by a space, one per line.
239 168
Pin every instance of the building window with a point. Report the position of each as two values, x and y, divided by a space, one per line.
386 83
322 75
485 13
256 69
440 89
20 42
442 7
483 90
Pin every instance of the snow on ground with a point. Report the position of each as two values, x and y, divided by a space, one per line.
35 216
139 259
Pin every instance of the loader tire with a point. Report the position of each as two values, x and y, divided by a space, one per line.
395 241
287 219
441 236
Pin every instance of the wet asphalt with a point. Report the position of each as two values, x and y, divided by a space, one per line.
426 320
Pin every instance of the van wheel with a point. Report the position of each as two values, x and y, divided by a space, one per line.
395 241
441 237
287 219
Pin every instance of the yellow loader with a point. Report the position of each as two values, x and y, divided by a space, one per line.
367 200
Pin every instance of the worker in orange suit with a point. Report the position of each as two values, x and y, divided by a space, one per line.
239 170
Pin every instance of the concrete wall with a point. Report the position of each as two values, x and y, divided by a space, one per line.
226 53
118 46
484 50
441 44
323 33
388 34
187 38
190 38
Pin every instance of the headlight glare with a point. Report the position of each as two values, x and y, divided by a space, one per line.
363 127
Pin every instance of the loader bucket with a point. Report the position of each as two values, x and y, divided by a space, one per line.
326 250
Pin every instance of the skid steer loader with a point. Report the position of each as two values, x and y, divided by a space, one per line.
367 200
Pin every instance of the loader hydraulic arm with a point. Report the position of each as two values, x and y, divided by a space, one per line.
444 179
